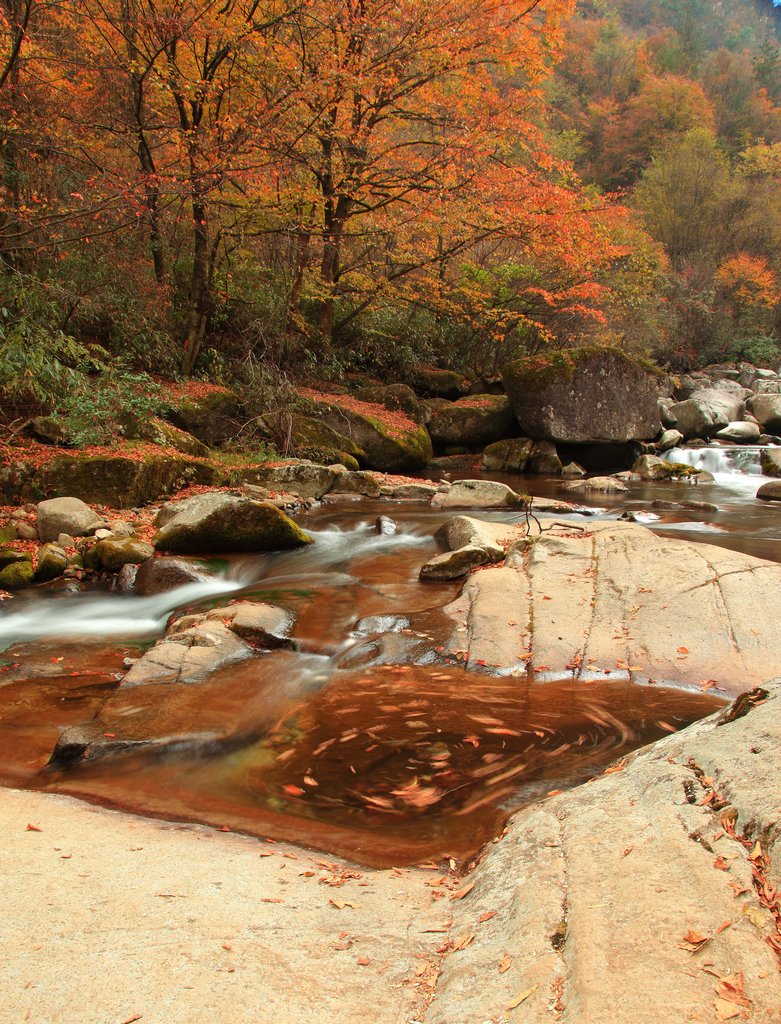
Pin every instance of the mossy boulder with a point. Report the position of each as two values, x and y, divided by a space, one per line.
396 397
123 481
584 394
770 461
159 432
300 477
215 522
473 421
310 438
433 383
508 456
213 416
390 441
50 563
16 574
114 552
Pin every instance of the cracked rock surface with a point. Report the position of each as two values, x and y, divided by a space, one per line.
612 599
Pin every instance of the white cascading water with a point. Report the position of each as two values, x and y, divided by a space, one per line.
736 469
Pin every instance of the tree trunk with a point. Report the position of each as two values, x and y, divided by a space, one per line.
199 288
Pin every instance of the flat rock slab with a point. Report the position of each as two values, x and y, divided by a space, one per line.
612 598
594 892
582 908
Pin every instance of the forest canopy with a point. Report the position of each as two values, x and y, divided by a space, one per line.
320 187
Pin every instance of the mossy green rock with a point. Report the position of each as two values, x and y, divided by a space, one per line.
396 397
473 421
213 417
216 523
51 563
7 534
14 575
302 478
112 553
434 383
584 394
8 556
160 432
390 441
122 481
770 461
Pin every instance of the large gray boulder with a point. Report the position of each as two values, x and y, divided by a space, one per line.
473 421
707 411
767 410
582 395
159 575
741 431
215 522
303 478
479 494
509 456
66 515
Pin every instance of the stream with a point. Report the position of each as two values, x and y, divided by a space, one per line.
385 764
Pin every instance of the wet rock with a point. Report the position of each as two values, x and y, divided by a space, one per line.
600 484
508 456
582 395
263 625
693 506
453 564
464 531
159 575
479 494
767 409
189 655
112 554
413 492
51 562
385 526
770 491
741 431
359 482
214 522
126 577
572 469
770 461
473 421
66 515
302 478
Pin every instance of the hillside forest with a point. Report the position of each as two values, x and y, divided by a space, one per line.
262 192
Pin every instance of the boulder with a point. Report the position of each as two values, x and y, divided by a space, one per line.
597 484
396 397
310 438
9 556
651 467
261 624
479 494
464 531
666 417
585 394
115 552
159 575
770 461
433 383
188 655
66 515
613 598
705 412
357 483
213 416
303 478
391 441
473 421
544 459
413 492
159 432
770 491
50 430
670 439
452 564
740 431
215 522
508 456
767 409
17 574
51 562
573 469
767 387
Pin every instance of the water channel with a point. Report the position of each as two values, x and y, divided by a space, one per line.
386 764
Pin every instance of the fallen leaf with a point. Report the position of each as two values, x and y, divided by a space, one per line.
505 964
463 942
726 1010
723 927
524 995
692 941
460 893
363 961
33 828
487 916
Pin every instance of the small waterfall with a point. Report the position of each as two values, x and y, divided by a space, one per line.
735 468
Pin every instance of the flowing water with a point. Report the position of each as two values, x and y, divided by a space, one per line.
387 764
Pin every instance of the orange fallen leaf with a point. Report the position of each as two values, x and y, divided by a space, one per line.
487 916
33 828
363 961
505 964
463 942
460 893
